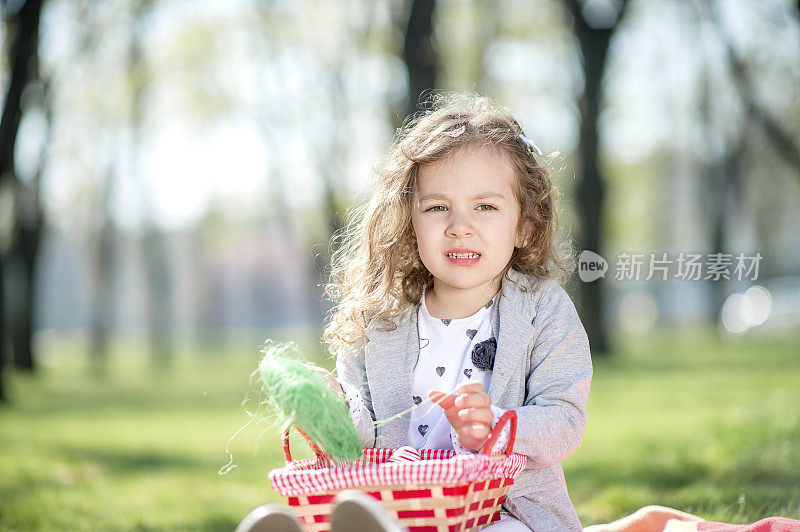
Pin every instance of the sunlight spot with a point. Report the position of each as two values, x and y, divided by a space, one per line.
761 300
737 312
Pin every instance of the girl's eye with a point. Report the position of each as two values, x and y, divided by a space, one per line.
436 208
487 207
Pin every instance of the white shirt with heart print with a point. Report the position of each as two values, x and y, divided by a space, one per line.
445 360
445 349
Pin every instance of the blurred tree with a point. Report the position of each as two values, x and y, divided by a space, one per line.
102 235
486 29
23 27
727 147
102 297
717 169
156 262
722 176
782 140
724 171
419 52
330 165
465 31
594 22
326 129
29 230
270 121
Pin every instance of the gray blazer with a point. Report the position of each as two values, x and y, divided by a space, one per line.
542 370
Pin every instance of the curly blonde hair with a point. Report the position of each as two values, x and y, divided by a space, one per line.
375 273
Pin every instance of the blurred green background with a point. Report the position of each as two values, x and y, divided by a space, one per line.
172 172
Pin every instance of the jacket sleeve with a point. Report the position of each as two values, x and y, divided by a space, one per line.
351 369
553 417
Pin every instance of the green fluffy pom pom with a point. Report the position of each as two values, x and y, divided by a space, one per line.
299 396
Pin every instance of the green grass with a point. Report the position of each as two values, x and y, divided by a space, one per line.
708 427
679 420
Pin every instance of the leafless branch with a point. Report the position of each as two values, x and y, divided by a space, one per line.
783 141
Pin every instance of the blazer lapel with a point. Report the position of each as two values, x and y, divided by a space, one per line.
390 357
517 313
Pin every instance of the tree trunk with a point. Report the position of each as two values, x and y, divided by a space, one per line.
716 175
102 294
418 52
26 250
723 177
24 48
594 43
591 198
159 311
30 227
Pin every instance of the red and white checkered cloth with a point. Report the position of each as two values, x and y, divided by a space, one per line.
404 454
435 467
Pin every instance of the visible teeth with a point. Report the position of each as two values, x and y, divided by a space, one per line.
463 255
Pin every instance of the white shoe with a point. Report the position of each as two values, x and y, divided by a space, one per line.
358 512
270 518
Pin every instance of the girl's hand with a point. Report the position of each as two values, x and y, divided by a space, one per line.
468 412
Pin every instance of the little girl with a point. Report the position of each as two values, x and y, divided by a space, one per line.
448 288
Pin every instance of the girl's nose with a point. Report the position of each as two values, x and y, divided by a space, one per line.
460 226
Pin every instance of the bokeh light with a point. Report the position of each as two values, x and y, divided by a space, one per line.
741 312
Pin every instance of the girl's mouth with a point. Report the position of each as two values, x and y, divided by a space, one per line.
463 259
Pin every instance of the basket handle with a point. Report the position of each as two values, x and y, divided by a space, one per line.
509 415
287 454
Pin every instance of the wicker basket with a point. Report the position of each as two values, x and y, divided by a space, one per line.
443 491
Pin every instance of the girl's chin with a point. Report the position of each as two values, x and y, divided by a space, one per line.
465 283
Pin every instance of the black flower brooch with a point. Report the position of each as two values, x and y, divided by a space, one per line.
483 354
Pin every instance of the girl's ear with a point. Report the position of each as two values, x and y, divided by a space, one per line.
411 237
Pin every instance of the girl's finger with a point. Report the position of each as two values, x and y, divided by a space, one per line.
473 400
479 431
477 415
442 398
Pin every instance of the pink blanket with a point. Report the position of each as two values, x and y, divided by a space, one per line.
662 519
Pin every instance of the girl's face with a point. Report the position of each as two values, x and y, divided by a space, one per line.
466 220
